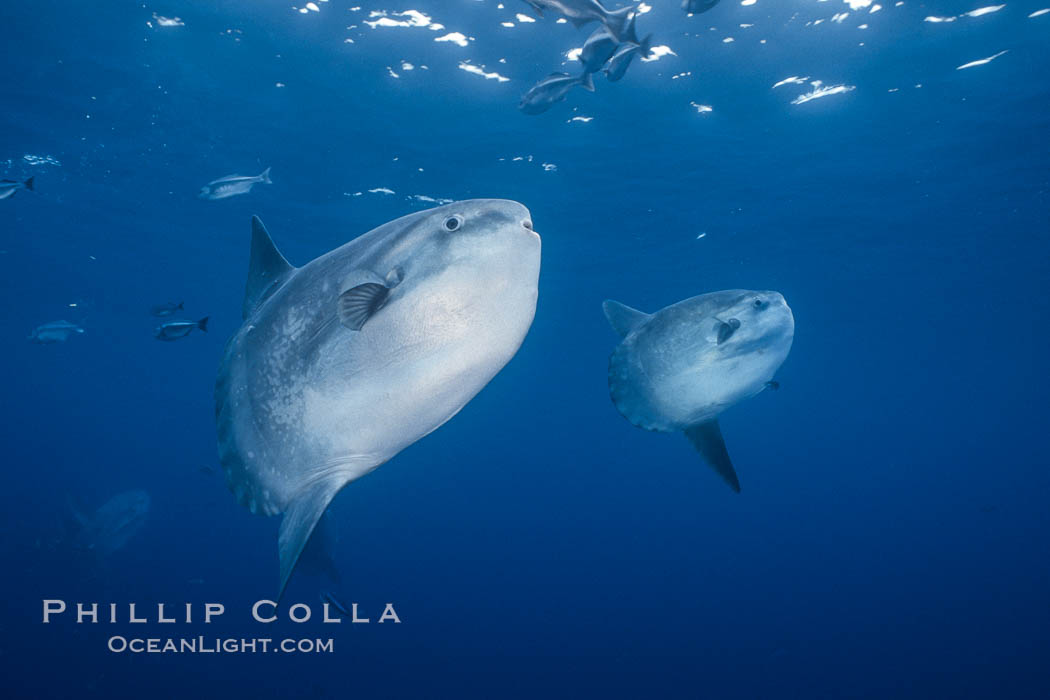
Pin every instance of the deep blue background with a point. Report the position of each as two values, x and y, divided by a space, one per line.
891 538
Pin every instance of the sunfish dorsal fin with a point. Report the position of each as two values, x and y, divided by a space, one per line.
299 522
623 318
708 441
267 269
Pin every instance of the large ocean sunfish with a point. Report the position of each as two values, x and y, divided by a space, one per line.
679 368
342 363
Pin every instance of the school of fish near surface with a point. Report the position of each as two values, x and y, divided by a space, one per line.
610 48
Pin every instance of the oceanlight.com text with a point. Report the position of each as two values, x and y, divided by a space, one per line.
217 645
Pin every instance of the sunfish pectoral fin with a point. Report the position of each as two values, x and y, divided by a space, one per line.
623 318
267 269
365 295
299 522
708 441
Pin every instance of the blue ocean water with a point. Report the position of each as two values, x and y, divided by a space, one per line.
891 537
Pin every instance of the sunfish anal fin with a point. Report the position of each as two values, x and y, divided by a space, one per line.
623 318
366 295
300 519
708 441
267 269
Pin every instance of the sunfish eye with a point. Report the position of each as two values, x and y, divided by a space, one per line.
758 304
452 223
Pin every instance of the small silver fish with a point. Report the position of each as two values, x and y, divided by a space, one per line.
173 330
618 64
9 187
581 12
167 309
232 185
551 89
54 332
598 49
695 7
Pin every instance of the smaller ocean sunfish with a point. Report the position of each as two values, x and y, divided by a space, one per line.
678 369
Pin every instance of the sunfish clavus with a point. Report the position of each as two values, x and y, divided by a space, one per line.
678 369
342 363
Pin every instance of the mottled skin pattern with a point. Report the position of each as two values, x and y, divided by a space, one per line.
671 373
305 405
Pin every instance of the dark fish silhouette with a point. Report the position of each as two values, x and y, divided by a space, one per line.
695 7
173 330
114 523
625 53
167 309
581 12
9 187
552 89
54 332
